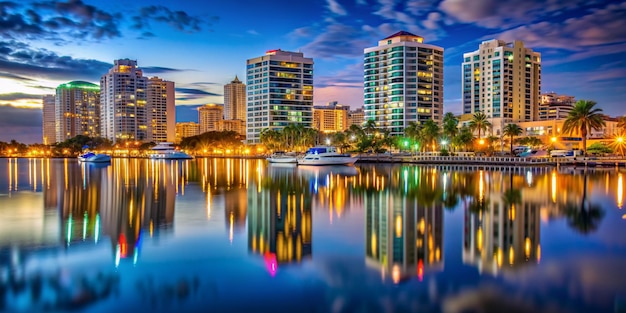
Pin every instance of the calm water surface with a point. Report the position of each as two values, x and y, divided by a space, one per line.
227 235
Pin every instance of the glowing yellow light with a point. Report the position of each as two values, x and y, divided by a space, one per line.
479 239
538 253
527 245
553 139
422 225
620 139
481 141
374 244
511 255
499 257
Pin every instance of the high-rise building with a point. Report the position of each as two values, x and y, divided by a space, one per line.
235 100
48 127
237 126
502 80
553 106
161 110
77 110
403 82
356 117
123 92
280 92
186 129
330 118
210 117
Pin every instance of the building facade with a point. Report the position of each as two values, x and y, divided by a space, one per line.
48 120
330 118
235 100
279 92
403 82
123 94
553 106
186 129
237 126
161 110
210 117
77 110
356 117
502 80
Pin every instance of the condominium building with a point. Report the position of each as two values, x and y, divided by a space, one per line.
77 110
48 120
356 117
403 82
237 126
279 92
161 110
235 100
502 80
330 118
186 129
210 117
553 106
123 102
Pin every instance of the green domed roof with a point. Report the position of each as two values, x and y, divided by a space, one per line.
80 84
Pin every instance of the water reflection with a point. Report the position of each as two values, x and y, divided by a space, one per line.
462 240
279 216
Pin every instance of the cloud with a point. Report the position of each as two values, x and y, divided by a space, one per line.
178 20
335 7
14 77
575 34
11 116
22 60
505 14
60 20
19 96
338 40
183 94
160 70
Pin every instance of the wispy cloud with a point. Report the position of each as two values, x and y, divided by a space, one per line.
18 96
183 94
335 7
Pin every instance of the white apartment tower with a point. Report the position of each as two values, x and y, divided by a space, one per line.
161 110
235 100
49 131
403 82
123 102
502 80
77 110
279 92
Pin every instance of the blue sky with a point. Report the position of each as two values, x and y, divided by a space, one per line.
202 45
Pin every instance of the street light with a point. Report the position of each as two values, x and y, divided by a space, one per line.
444 142
553 139
481 141
328 141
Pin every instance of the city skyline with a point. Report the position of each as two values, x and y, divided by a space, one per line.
202 47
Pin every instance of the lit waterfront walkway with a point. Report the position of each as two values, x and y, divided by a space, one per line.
492 161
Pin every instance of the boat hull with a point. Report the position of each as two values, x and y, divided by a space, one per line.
328 161
283 160
98 158
170 156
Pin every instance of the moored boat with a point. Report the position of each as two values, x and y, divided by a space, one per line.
282 157
94 157
166 151
325 155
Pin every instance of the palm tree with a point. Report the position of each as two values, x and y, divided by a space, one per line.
582 119
430 132
450 125
464 138
584 217
512 130
479 122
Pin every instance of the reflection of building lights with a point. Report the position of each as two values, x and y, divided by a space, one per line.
511 255
538 253
479 239
374 244
271 263
620 191
398 226
527 245
499 257
529 178
420 270
553 187
481 186
395 274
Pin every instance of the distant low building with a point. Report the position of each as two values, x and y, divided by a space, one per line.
186 129
237 126
554 106
356 117
330 118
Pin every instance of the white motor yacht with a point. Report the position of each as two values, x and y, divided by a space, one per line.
94 157
325 155
166 151
282 157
